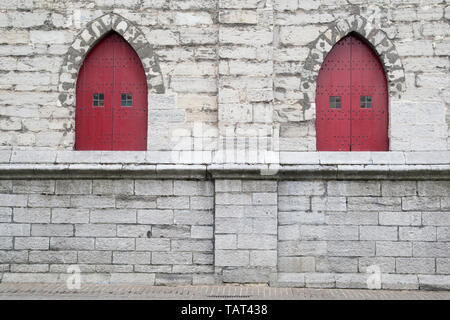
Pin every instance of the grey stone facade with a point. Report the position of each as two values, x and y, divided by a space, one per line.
231 188
322 224
238 69
152 231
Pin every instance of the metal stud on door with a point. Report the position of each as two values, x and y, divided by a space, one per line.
103 121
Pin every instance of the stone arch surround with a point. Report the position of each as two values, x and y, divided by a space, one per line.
376 38
87 39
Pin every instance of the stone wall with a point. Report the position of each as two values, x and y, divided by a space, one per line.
331 232
327 222
115 230
46 41
230 188
245 234
313 233
222 68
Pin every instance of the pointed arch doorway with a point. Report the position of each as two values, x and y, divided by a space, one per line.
111 98
352 99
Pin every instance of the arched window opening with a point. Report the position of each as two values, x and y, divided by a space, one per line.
111 98
352 99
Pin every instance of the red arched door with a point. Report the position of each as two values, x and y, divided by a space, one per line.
111 112
352 99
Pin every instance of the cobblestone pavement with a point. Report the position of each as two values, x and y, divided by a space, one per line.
235 292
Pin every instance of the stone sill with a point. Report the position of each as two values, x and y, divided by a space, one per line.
20 164
224 171
8 156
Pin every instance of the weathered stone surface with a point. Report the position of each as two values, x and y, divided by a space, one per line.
399 282
400 218
238 74
131 257
171 258
353 188
415 265
31 215
95 230
154 187
394 249
316 188
296 264
232 258
73 187
60 215
155 216
351 248
378 233
61 243
113 216
434 282
92 257
115 244
257 275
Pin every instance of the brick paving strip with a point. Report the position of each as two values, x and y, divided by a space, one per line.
132 291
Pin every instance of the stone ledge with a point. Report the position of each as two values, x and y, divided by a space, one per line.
221 171
160 164
12 156
111 171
